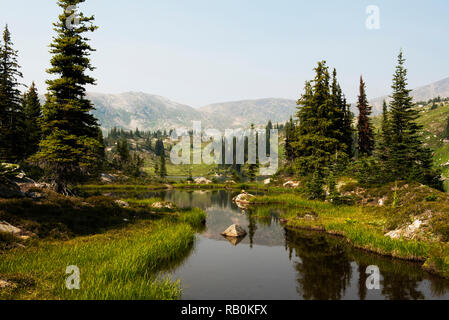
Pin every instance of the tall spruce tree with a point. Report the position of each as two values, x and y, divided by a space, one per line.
409 159
11 112
70 143
290 134
365 128
348 130
32 113
384 140
318 140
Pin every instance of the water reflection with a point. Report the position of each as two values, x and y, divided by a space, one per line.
271 263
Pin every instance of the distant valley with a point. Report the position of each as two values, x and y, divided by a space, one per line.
133 110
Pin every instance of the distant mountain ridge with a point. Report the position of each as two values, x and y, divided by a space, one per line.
144 111
424 93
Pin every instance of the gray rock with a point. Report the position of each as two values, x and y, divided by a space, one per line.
122 203
10 189
5 227
234 231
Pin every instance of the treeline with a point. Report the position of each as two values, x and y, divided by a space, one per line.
131 163
62 137
20 114
326 142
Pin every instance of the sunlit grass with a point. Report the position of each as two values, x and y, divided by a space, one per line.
120 264
363 227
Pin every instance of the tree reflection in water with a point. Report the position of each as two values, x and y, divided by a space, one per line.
324 270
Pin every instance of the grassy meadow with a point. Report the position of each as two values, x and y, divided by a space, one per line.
126 259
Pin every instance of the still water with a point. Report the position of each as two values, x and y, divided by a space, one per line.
272 263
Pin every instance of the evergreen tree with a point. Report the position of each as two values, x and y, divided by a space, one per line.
317 145
384 141
268 133
11 113
32 113
365 128
159 149
69 147
290 133
253 167
162 166
409 159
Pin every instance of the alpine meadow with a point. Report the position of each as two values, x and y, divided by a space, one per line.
299 167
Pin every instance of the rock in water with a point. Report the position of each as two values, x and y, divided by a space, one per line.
234 231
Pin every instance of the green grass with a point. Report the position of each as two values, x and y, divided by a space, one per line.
364 227
121 252
120 264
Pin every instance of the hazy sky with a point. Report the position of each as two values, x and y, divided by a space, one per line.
204 51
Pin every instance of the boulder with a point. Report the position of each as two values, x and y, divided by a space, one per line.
5 284
10 189
202 180
108 178
122 203
243 198
407 232
291 184
163 205
34 195
234 231
5 227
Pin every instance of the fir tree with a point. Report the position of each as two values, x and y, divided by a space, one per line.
290 134
69 147
162 166
384 141
11 112
409 159
253 167
365 128
317 145
32 114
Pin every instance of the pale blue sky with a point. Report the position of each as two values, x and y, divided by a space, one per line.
204 51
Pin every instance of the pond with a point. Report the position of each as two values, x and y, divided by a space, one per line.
272 263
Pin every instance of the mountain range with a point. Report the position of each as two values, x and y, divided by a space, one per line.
133 110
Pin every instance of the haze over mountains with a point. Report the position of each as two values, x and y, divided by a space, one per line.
133 110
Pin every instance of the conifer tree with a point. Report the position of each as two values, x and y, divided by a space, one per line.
32 113
384 140
11 113
70 143
290 133
317 145
348 130
365 128
162 166
409 159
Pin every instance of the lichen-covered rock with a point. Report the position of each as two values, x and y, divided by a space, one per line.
244 198
291 184
234 231
163 205
406 232
5 284
5 227
9 189
202 180
122 203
